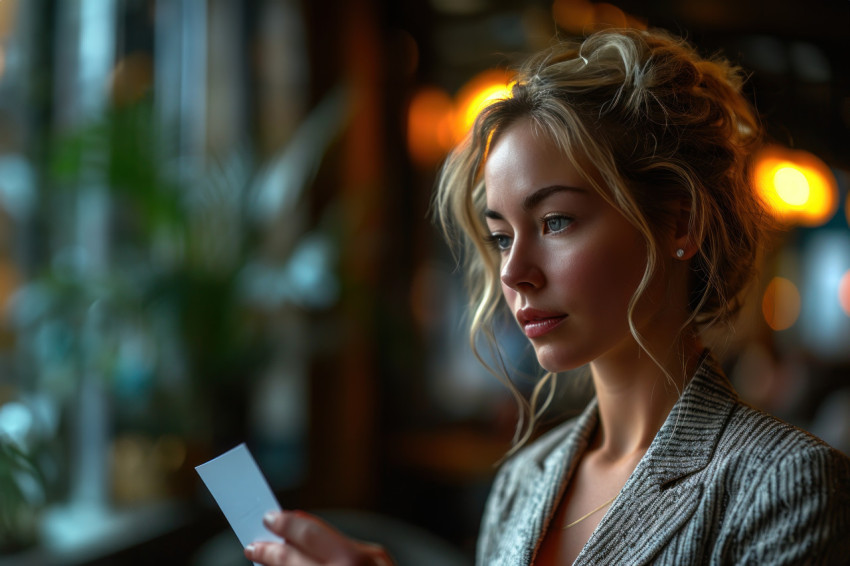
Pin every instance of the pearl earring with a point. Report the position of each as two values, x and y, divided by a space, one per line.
680 253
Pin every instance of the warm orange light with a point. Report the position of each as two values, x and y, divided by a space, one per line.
580 17
8 17
607 15
844 292
791 185
430 133
476 95
574 16
781 304
796 185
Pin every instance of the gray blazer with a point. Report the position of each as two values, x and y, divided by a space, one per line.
722 483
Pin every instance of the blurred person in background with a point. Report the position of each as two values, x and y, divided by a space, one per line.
607 202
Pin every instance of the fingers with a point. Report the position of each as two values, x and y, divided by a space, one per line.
309 541
309 534
276 554
374 555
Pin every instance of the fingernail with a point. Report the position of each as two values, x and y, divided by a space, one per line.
249 549
269 518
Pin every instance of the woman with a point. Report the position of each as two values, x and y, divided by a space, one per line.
607 203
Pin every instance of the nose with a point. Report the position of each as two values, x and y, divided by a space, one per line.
520 271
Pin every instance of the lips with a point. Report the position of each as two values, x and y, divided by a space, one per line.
536 323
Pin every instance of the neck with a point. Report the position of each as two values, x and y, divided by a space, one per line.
635 395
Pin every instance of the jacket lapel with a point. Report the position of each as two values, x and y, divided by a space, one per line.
659 497
543 477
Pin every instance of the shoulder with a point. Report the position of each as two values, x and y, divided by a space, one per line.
747 441
760 441
788 492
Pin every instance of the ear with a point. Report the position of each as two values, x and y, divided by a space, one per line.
683 245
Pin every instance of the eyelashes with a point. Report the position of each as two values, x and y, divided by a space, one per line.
498 242
551 224
555 223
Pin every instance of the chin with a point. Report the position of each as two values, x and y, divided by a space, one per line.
558 364
560 368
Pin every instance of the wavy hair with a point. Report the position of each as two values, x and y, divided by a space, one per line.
657 124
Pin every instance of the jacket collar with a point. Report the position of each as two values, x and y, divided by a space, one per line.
653 500
684 445
554 458
687 439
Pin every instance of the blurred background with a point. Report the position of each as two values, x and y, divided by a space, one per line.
214 229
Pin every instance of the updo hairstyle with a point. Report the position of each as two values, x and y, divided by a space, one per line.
660 126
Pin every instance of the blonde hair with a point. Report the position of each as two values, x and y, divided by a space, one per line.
660 125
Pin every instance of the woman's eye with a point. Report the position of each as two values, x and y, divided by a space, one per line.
500 241
556 223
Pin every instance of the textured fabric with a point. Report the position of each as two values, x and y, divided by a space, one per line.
722 483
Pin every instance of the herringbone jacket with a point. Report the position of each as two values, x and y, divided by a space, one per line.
722 483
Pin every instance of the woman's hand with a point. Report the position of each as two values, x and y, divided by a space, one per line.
309 541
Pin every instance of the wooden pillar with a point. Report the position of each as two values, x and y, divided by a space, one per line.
345 391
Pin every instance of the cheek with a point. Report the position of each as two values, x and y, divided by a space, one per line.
594 277
509 296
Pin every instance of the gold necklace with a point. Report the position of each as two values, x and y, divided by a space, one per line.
582 518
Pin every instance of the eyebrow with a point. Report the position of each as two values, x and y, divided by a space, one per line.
535 198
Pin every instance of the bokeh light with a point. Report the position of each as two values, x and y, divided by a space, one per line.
781 304
608 15
574 16
796 185
791 185
477 94
824 258
8 17
430 132
844 293
435 122
580 17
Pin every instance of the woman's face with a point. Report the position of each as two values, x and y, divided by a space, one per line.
570 262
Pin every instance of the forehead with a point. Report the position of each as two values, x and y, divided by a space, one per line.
524 159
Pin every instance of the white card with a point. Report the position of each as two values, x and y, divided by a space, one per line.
242 492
